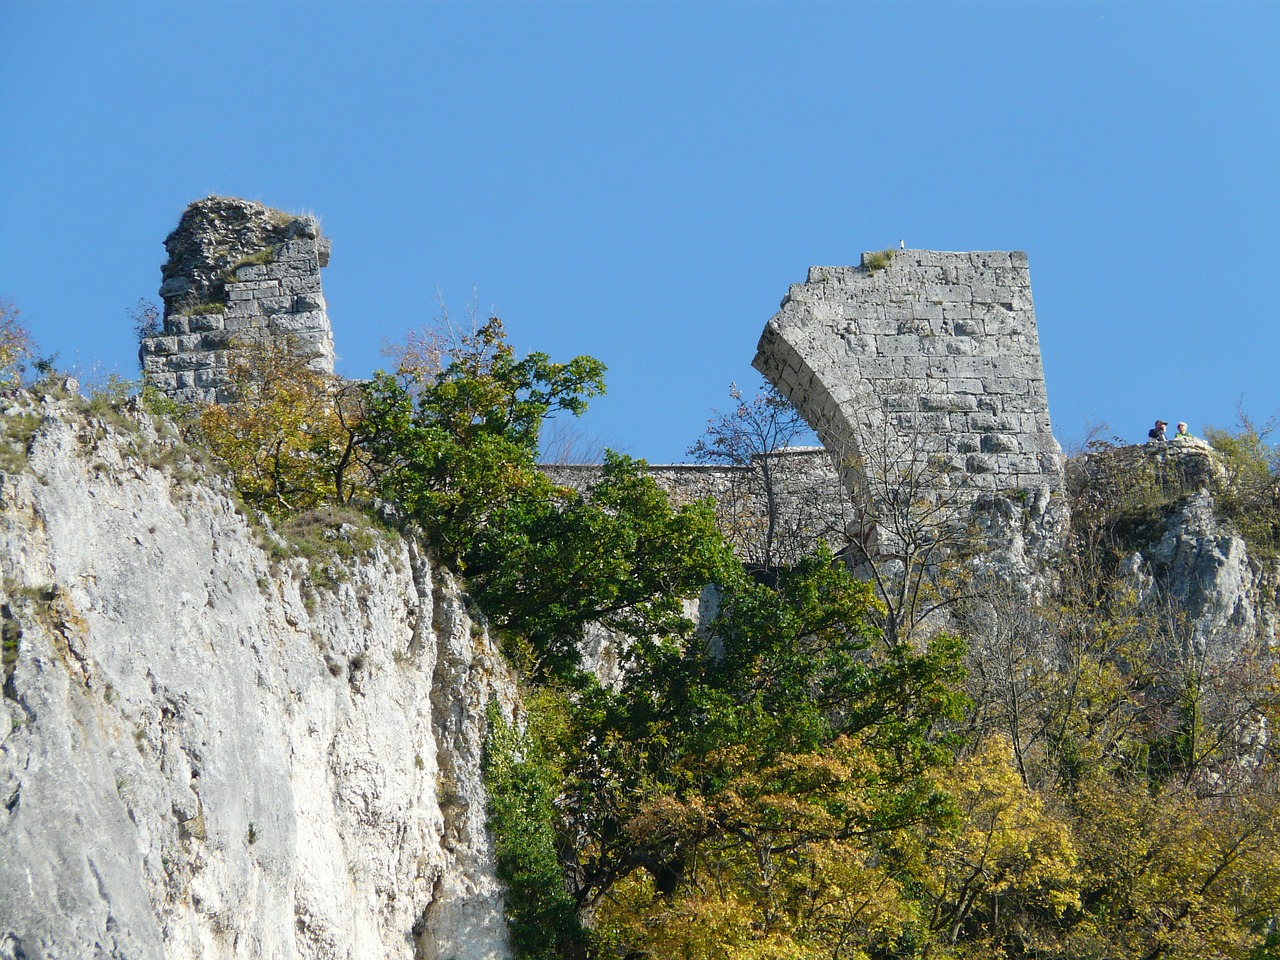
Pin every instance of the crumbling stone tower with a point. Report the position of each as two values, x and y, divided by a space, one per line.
237 270
940 347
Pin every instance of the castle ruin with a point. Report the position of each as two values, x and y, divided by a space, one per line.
237 271
810 504
939 348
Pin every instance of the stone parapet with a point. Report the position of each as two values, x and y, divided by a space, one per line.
237 271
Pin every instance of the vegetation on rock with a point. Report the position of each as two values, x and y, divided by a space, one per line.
16 345
1248 494
285 432
452 436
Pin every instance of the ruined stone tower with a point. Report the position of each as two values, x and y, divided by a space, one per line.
939 347
237 270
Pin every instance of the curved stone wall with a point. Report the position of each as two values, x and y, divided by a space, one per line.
941 347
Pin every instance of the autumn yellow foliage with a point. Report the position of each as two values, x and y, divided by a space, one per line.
16 346
286 432
785 866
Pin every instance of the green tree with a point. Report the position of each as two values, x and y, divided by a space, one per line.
454 438
522 783
783 742
617 555
1248 491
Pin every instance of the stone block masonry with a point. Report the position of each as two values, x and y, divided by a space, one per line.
939 347
810 505
237 271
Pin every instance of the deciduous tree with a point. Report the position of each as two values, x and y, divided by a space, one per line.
283 431
753 438
452 445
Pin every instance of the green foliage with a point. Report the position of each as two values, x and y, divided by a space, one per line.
108 395
17 431
1119 497
1174 874
522 786
785 741
455 443
45 366
257 258
200 309
1004 858
10 636
1249 493
800 774
619 555
160 404
328 537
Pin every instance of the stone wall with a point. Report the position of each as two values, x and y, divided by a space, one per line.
811 504
941 347
237 270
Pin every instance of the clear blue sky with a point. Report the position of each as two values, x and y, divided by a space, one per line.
642 181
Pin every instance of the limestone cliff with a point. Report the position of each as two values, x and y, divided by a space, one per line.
1200 563
205 753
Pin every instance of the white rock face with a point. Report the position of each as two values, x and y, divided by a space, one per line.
201 756
1206 569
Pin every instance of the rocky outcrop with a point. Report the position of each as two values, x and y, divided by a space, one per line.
1207 571
1183 555
208 753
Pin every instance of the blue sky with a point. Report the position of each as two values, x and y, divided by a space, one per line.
642 181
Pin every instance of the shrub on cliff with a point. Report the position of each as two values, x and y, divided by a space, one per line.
285 432
1249 493
619 555
16 345
522 784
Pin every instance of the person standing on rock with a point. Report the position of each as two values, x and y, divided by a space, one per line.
1156 433
1182 432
